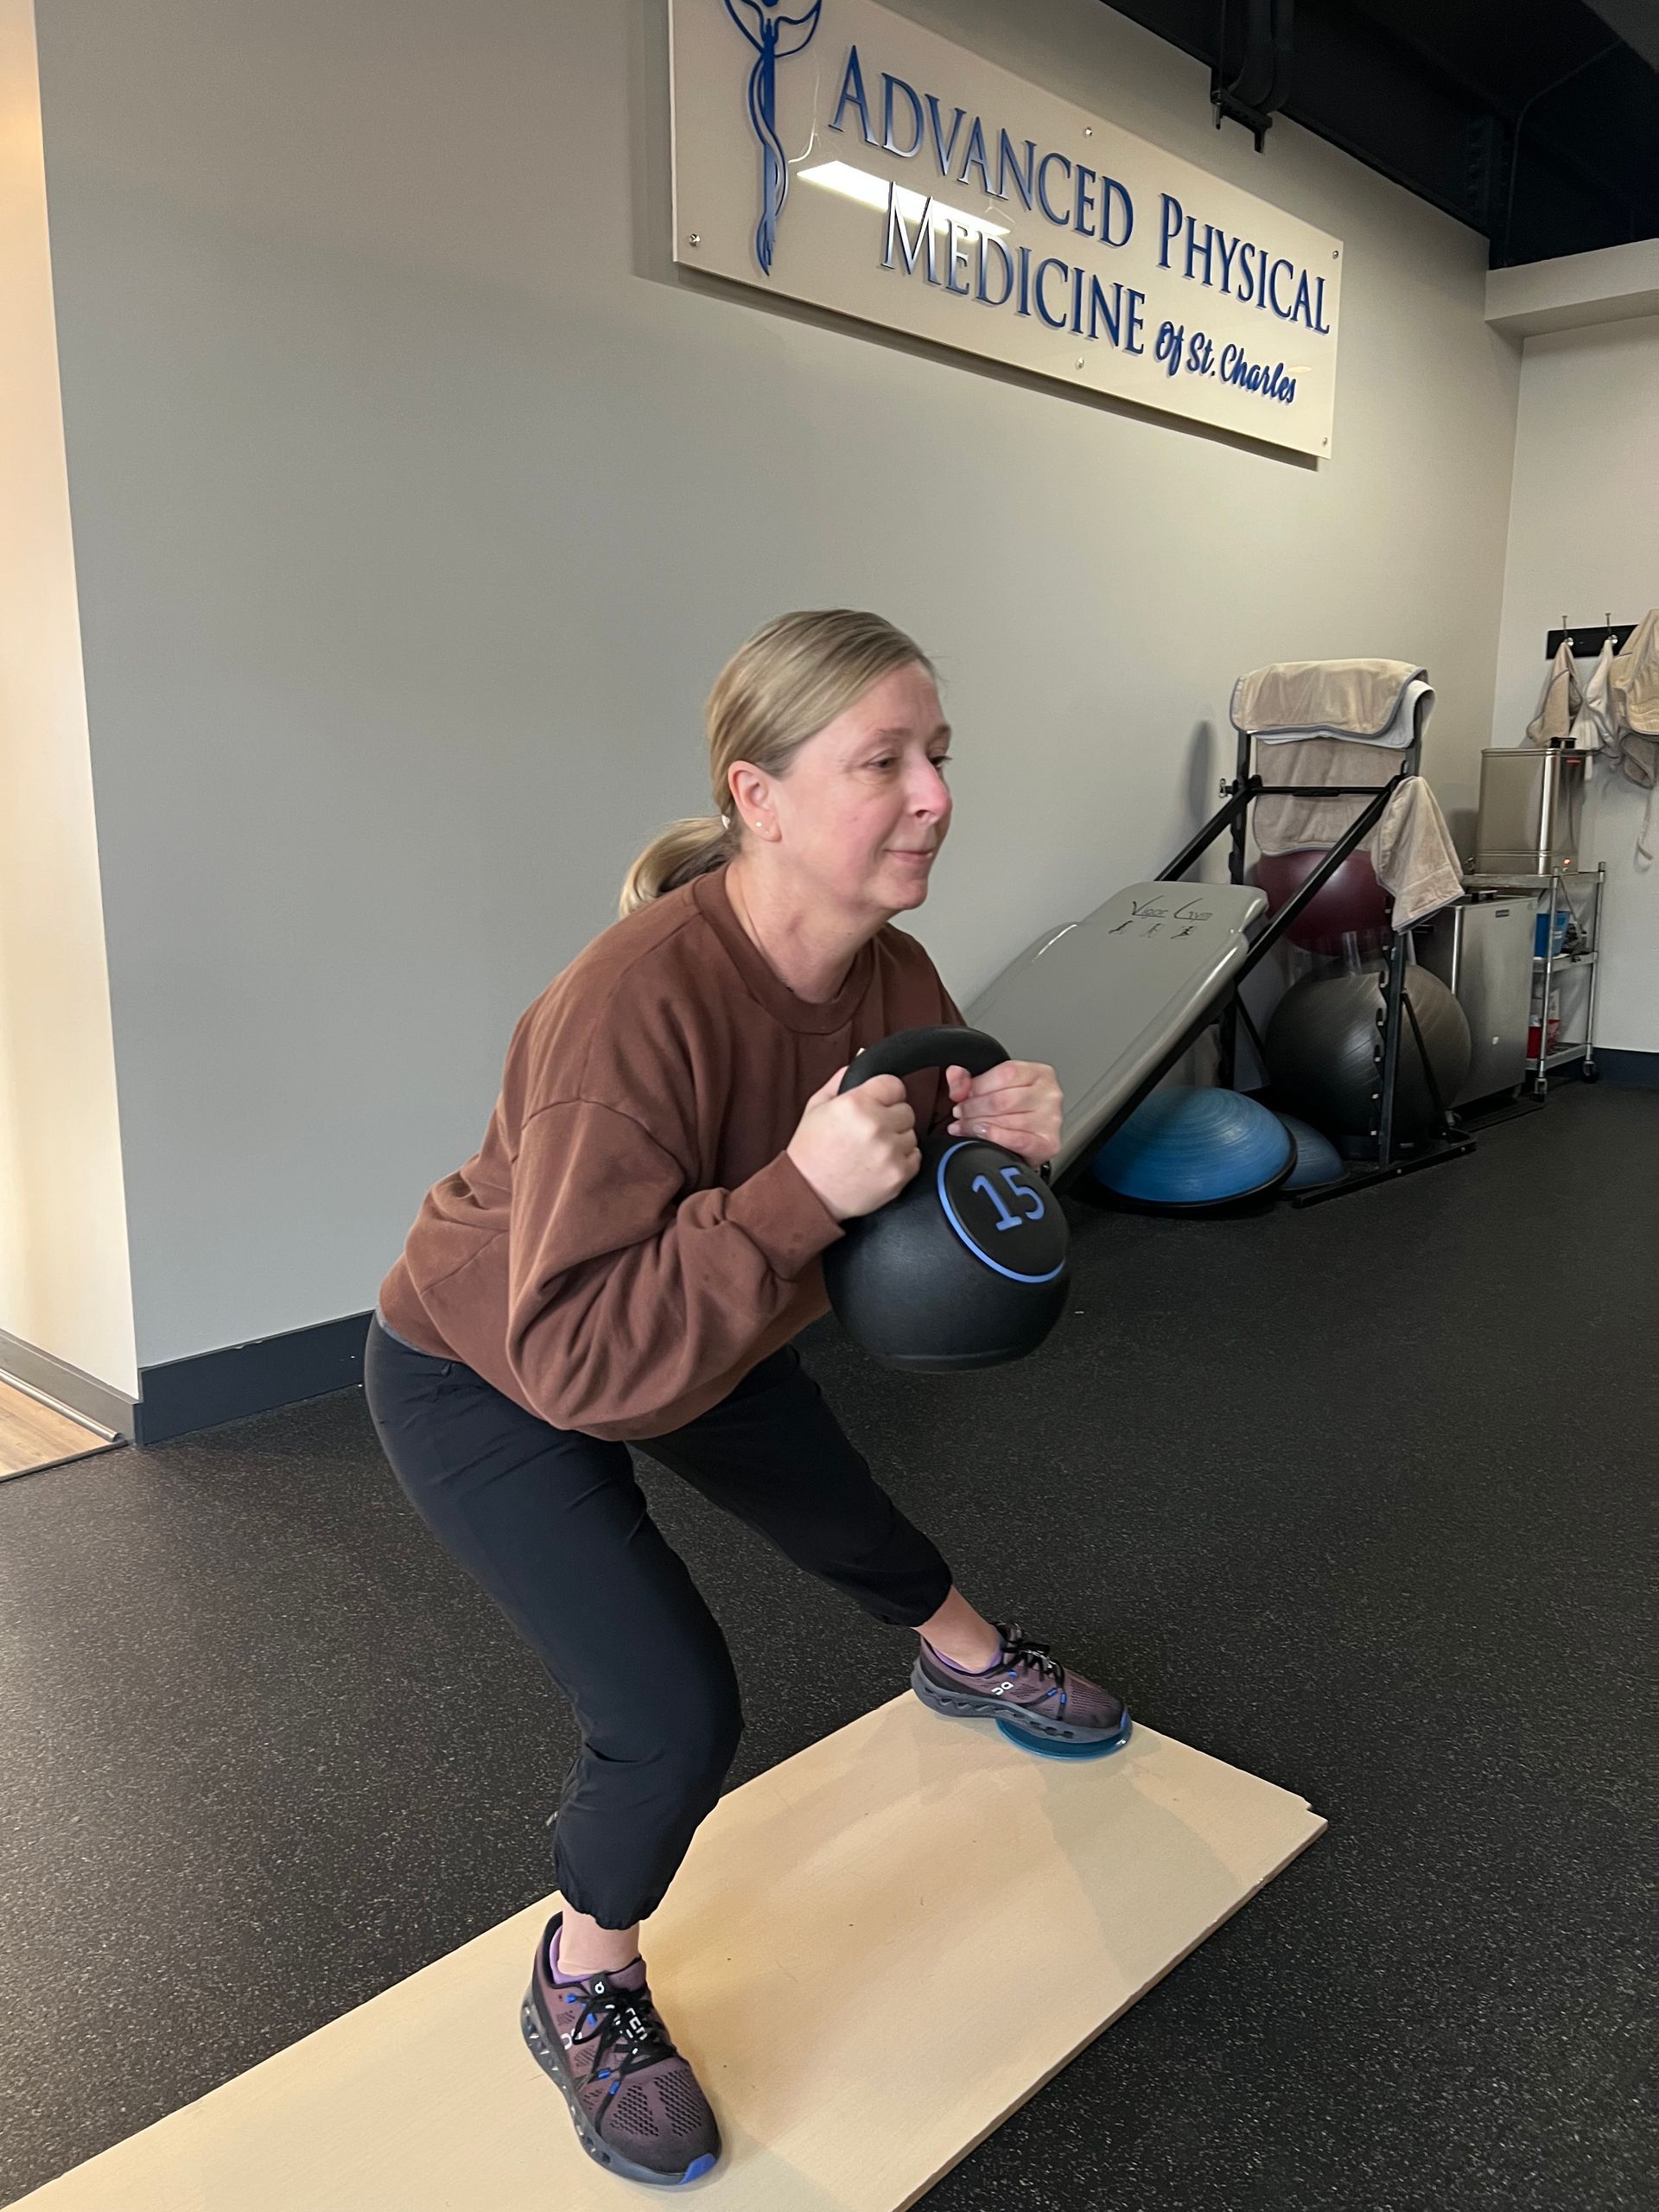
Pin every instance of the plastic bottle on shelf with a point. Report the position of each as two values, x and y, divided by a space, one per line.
1551 1026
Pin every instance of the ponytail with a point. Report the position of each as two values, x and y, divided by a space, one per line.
685 849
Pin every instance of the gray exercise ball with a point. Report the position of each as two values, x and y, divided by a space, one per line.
1324 1046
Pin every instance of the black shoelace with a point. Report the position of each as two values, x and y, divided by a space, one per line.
626 2030
1021 1648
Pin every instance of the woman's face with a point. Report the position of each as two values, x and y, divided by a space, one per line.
863 809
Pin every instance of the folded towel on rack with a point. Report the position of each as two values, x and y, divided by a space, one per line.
1559 700
1290 825
1412 854
1394 737
1411 847
1359 700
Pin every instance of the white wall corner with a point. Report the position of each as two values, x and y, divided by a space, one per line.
66 1285
1612 285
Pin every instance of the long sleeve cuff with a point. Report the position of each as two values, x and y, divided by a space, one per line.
782 1217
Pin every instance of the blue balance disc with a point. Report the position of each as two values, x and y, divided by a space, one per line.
1047 1748
1185 1148
1317 1162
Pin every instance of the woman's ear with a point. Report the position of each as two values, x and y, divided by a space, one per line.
751 798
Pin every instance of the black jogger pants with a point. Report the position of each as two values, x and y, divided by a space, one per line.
556 1528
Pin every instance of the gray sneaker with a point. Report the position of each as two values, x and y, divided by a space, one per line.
1036 1702
636 2105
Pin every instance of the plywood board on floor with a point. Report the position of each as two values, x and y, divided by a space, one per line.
33 1435
873 1954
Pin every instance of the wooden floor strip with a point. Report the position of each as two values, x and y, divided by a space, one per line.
33 1435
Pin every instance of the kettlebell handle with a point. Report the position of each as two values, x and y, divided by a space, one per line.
909 1051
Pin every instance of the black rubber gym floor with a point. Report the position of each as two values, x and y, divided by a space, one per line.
1360 1498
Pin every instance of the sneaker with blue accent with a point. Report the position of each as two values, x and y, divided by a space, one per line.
1036 1702
638 2109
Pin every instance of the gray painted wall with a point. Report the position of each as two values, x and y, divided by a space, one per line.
416 506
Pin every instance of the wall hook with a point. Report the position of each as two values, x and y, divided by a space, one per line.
1586 641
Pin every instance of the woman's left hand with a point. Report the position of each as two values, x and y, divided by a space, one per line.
1017 1105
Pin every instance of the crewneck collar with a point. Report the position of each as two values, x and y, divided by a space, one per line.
761 980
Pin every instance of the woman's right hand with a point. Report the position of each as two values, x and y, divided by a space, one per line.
857 1149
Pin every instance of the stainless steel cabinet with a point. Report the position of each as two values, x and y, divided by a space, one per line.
1483 950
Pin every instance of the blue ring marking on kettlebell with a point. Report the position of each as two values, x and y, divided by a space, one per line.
984 1258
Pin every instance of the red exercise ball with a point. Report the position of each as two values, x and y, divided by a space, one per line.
1353 903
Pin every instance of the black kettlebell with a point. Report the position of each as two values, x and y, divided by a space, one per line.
967 1267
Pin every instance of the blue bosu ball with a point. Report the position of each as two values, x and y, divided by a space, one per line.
1185 1148
1317 1161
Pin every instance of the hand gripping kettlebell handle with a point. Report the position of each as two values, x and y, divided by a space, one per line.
907 1051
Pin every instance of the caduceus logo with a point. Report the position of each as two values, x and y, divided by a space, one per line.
775 37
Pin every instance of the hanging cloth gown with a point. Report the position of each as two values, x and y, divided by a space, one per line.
1633 692
1593 726
1559 700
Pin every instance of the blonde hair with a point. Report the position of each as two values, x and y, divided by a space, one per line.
782 687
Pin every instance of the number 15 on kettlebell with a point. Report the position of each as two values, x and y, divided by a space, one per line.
967 1267
1011 1176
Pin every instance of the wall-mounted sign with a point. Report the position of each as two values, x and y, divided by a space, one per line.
835 152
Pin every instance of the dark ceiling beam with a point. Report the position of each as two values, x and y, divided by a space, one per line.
1369 80
1386 27
1551 149
1478 100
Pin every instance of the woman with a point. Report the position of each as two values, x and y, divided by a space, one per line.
627 1258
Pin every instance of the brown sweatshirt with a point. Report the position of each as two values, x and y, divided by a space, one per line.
631 1237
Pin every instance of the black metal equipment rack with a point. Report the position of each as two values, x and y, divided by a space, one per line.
1449 1140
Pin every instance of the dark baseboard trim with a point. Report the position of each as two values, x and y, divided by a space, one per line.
243 1379
56 1378
1631 1070
198 1393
